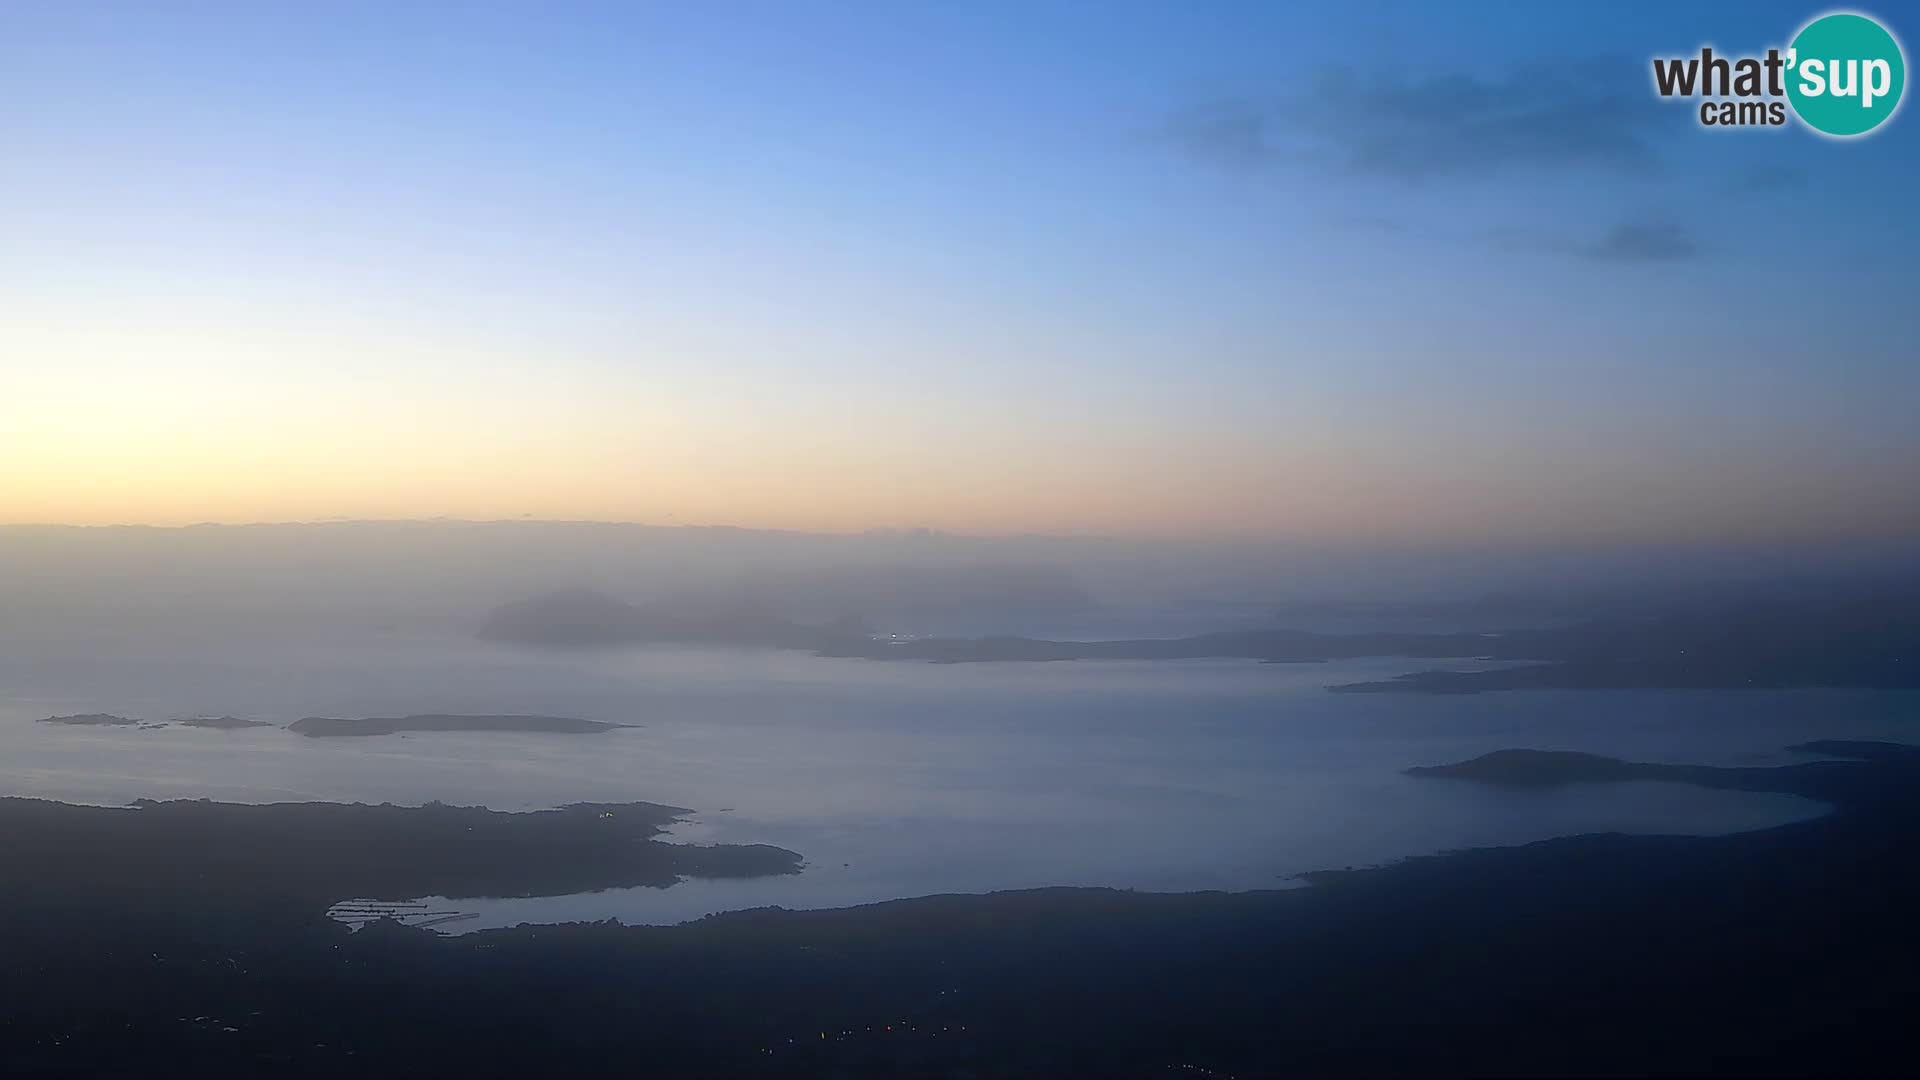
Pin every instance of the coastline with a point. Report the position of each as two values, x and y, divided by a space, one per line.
1717 953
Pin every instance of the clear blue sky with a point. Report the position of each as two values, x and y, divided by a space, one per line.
1423 271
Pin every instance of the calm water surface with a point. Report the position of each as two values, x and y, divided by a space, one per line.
895 780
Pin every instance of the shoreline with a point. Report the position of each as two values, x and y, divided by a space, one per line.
1774 949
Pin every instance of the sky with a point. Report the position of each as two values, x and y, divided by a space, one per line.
1417 272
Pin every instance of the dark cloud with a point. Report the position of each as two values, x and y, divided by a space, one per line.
1640 240
1590 117
1420 128
1643 242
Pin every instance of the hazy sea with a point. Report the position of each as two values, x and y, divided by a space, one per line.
891 779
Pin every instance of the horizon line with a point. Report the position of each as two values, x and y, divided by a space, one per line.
1408 545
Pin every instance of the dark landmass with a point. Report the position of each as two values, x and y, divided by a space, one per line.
225 723
104 719
320 727
1543 768
1557 768
1847 639
1272 646
1786 951
1844 641
305 856
1848 642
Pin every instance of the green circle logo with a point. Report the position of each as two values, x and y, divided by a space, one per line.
1845 74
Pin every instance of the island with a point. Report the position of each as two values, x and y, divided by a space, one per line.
320 727
1836 779
92 719
1543 769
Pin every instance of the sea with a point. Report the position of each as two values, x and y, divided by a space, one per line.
891 779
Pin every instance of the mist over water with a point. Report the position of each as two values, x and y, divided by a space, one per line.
892 779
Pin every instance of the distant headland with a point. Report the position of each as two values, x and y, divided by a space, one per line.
1842 640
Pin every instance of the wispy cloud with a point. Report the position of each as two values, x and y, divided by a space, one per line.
1643 242
1232 132
1634 240
1420 128
1574 119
